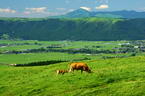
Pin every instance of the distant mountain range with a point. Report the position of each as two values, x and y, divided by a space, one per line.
79 13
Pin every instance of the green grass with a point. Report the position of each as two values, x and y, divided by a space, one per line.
35 57
88 44
111 77
18 48
106 45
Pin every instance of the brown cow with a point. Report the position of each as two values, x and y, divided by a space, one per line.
61 71
79 66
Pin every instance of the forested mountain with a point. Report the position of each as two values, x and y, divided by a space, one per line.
73 29
113 14
120 14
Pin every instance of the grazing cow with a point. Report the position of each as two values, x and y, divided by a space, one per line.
79 66
61 71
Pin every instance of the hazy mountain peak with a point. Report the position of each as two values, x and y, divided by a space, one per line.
78 13
113 14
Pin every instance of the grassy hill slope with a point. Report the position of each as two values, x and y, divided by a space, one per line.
90 29
117 77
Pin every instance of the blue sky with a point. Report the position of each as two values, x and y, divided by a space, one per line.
44 8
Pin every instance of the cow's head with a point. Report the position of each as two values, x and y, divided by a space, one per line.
89 71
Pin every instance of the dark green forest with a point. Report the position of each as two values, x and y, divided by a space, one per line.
90 29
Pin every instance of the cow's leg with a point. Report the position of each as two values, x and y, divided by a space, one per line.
71 69
81 71
57 72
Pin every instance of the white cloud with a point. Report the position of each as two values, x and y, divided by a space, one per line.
7 10
35 10
44 11
102 7
86 8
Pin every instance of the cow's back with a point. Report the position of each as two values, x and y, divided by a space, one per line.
78 65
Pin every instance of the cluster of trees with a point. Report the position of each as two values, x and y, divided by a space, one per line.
5 37
90 29
71 51
41 63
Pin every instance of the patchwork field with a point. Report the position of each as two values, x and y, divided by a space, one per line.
116 72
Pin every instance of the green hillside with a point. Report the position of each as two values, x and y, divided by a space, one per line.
111 77
90 29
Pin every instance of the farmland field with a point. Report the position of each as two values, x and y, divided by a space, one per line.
118 68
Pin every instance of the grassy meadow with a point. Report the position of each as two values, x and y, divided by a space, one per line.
119 74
